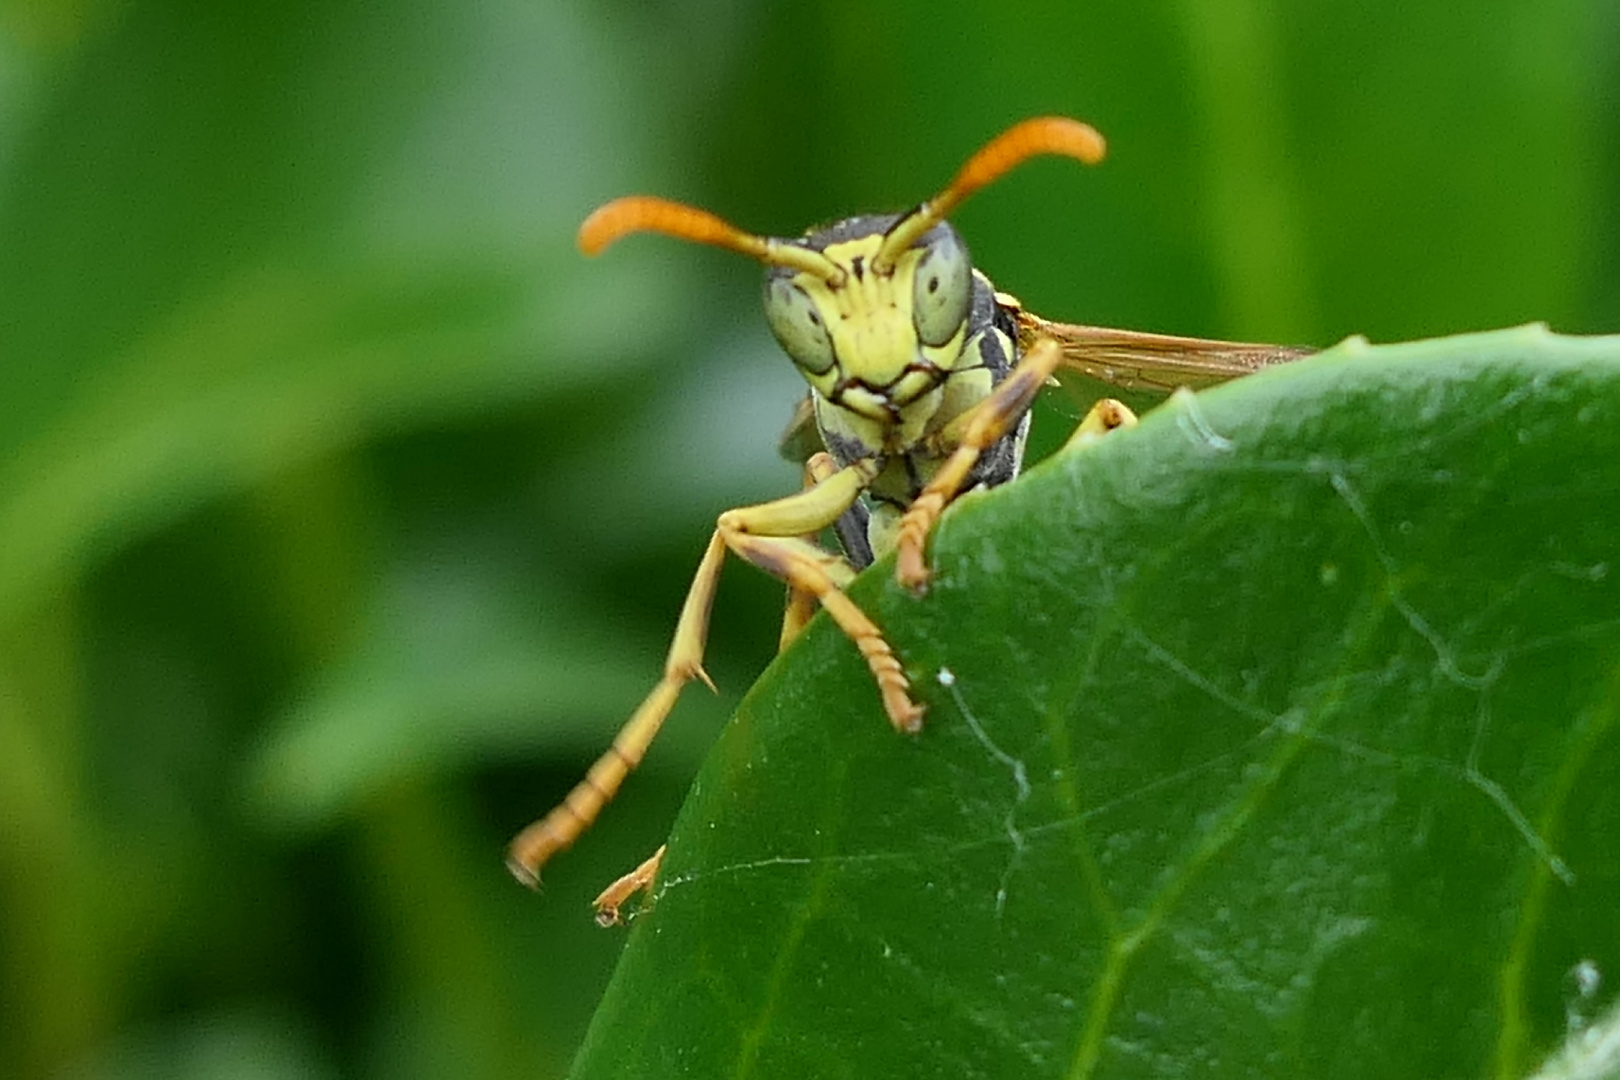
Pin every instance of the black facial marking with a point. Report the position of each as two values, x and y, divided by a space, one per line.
936 376
847 384
916 366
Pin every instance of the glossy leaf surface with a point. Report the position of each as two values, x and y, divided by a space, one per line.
1279 738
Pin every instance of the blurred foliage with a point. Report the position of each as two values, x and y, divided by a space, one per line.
344 510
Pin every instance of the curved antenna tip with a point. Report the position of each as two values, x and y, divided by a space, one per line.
1058 135
649 213
1039 135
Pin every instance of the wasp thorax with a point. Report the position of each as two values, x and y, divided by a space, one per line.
869 340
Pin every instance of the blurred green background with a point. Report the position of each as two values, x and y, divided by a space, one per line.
345 509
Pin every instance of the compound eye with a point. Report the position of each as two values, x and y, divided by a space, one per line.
798 326
943 288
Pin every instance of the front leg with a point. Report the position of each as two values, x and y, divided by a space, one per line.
809 572
809 569
972 434
769 536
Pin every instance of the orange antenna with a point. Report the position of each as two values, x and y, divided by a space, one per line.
648 213
1041 135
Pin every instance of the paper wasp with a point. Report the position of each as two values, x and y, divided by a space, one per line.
921 376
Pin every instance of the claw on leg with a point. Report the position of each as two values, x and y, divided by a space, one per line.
641 879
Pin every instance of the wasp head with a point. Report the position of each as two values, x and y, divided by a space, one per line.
873 338
873 310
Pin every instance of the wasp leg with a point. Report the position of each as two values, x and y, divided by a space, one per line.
640 879
808 568
801 606
1105 416
542 839
767 535
973 433
771 536
801 603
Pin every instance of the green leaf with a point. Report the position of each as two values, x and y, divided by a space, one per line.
1280 739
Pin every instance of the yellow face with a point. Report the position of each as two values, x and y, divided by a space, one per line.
870 341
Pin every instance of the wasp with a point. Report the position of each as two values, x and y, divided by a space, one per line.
921 378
